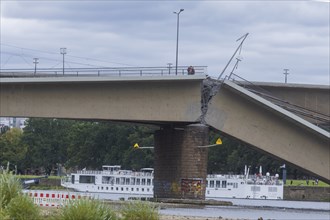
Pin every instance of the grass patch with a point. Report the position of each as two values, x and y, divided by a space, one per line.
13 204
10 187
46 187
86 209
34 176
140 210
304 183
22 208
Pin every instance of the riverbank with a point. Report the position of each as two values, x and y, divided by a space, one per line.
47 212
307 193
175 217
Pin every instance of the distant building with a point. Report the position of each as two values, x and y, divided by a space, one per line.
12 122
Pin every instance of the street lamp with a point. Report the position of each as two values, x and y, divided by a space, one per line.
286 75
35 61
63 51
177 40
169 68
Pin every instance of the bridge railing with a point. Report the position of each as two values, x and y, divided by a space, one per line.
110 71
317 118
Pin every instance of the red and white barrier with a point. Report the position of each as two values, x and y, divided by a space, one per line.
54 198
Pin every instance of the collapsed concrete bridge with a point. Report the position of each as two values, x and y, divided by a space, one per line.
184 107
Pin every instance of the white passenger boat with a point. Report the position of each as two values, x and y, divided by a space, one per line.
115 184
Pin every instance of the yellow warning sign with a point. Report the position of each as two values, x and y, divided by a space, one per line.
219 141
136 145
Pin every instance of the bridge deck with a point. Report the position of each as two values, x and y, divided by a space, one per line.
252 119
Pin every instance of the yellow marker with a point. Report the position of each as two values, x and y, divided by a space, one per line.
136 145
219 141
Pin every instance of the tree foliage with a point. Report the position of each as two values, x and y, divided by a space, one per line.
48 143
13 150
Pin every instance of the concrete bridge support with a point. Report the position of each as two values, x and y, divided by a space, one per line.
180 166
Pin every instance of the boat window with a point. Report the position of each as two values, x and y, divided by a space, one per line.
122 188
272 189
111 188
132 189
133 181
211 184
148 182
142 189
148 189
137 181
107 188
117 180
122 180
137 189
207 183
143 182
102 187
72 179
255 188
127 181
86 179
107 180
126 188
224 184
116 188
217 184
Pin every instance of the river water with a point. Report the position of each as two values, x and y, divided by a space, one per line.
254 209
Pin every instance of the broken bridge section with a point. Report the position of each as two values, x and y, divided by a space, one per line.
268 127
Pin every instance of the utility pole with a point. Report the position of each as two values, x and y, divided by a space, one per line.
63 52
35 61
286 74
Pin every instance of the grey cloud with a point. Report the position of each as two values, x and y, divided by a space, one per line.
283 34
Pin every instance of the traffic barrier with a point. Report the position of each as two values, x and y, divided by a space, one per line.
55 198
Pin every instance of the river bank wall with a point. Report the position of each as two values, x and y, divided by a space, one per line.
307 193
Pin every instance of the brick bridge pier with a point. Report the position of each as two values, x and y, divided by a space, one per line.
180 166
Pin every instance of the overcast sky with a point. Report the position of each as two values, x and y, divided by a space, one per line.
290 35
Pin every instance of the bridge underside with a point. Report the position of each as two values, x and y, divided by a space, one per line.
233 110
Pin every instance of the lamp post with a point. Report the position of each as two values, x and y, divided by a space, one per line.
35 61
169 68
286 75
177 40
63 51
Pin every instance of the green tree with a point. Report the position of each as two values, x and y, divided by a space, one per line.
47 140
12 149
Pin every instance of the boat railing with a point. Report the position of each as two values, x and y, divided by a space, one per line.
89 172
120 172
226 176
250 179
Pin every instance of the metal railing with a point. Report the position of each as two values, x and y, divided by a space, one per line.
318 118
110 71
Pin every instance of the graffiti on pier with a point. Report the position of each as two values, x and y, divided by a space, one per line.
191 187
